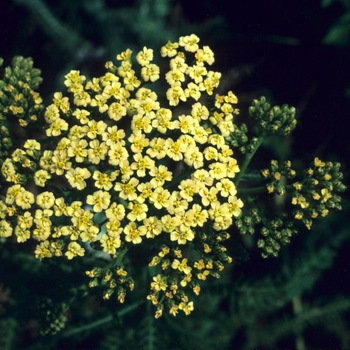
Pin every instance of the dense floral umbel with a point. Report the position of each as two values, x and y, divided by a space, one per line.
120 169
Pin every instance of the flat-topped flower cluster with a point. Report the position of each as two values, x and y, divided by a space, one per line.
120 168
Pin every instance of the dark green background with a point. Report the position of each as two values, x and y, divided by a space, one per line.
294 52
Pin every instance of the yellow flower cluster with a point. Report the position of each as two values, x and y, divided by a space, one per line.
317 194
120 169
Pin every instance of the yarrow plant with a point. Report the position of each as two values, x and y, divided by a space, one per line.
121 169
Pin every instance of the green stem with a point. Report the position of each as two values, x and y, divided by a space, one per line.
251 177
252 191
100 322
248 158
261 189
120 257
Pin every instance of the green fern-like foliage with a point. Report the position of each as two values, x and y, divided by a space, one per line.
148 338
8 334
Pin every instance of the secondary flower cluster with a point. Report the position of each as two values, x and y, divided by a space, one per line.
117 169
18 99
313 195
317 194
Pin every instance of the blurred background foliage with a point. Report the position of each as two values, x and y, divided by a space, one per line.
294 52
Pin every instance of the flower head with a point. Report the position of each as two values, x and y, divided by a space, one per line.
122 166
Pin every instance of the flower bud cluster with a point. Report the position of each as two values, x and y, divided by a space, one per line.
52 315
273 120
276 232
277 174
113 280
121 171
18 98
316 194
239 139
247 222
5 140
